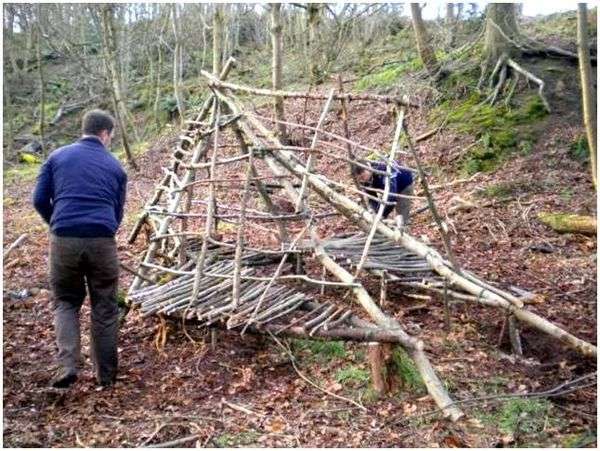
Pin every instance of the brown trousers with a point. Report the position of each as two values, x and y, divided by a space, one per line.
75 262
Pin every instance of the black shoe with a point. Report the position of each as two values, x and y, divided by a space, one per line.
64 380
107 382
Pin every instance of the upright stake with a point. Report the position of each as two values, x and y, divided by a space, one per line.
431 204
301 203
386 193
446 307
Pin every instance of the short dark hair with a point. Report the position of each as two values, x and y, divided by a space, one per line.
94 121
363 165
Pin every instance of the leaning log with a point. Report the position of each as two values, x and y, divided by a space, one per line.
402 100
468 282
485 293
414 347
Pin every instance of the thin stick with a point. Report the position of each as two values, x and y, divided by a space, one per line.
384 200
211 198
431 203
176 443
240 235
275 276
331 135
135 273
241 408
349 152
264 194
300 204
14 245
307 380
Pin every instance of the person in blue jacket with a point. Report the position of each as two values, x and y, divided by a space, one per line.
80 193
371 176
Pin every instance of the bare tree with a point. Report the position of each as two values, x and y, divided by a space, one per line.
423 41
110 56
313 19
177 62
41 76
276 32
587 88
500 29
450 13
159 51
217 38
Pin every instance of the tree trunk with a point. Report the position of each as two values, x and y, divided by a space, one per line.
157 89
109 41
176 63
41 77
587 87
423 42
276 32
217 39
313 46
500 24
449 13
8 114
9 38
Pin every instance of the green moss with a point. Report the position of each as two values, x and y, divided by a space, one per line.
499 130
389 75
568 222
579 440
529 415
241 439
579 150
325 350
402 365
122 299
165 279
369 395
352 375
21 173
29 158
137 149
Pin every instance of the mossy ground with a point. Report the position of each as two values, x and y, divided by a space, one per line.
499 130
528 422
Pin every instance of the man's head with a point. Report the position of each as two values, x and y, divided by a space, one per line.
98 123
361 171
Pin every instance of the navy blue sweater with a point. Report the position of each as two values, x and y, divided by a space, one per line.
80 190
399 181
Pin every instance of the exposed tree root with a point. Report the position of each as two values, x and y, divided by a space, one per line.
505 76
531 47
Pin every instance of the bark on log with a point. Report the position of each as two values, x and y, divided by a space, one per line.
402 100
376 362
569 223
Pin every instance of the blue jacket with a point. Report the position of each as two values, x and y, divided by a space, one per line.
81 189
399 181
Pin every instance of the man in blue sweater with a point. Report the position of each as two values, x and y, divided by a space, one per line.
371 176
80 193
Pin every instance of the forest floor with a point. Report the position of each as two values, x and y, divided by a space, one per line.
188 388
